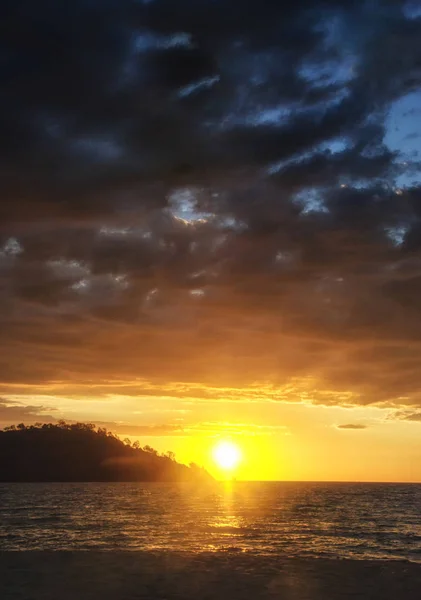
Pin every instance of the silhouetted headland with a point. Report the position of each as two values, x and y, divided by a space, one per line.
83 452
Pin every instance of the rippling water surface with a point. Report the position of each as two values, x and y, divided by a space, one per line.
292 519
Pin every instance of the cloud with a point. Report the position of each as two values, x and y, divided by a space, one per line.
352 426
12 412
211 429
164 430
202 200
405 415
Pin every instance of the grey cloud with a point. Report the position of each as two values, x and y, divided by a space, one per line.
12 412
144 430
352 426
185 429
406 415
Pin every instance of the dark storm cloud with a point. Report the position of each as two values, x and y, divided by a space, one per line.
201 192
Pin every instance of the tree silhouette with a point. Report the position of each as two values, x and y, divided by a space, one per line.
81 452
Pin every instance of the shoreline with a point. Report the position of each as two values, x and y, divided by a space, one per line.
49 575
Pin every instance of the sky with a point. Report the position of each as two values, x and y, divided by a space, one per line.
210 228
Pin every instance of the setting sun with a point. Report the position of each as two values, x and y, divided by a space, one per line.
227 455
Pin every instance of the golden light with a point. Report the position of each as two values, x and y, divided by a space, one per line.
227 455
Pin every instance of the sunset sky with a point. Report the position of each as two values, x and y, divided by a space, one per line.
210 228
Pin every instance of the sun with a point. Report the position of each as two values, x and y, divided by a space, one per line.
227 455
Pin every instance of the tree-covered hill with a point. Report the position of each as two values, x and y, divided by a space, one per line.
82 452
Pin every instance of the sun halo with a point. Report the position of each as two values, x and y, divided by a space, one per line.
226 455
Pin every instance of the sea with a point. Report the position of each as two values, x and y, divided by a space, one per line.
326 520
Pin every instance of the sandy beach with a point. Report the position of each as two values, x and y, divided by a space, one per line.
141 575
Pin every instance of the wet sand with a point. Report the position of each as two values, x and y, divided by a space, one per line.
142 575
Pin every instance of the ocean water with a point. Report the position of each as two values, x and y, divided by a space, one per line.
287 519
